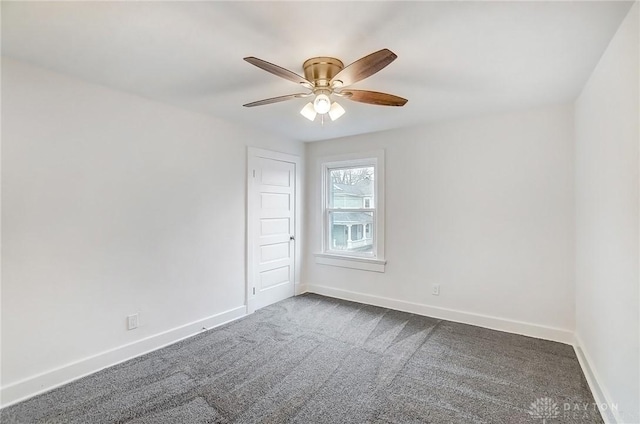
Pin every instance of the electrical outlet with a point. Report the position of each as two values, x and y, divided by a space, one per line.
132 321
435 290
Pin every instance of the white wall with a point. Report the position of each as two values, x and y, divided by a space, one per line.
483 207
607 217
112 205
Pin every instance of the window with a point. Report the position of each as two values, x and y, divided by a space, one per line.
346 216
353 212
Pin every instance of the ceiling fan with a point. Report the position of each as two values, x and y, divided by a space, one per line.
326 77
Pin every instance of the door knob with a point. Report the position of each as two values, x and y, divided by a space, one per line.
292 238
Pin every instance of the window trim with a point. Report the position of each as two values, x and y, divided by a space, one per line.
368 262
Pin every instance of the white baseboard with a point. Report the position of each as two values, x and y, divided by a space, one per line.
600 394
29 387
486 321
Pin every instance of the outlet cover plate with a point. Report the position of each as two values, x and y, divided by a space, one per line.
132 322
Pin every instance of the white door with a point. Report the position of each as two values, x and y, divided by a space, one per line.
271 248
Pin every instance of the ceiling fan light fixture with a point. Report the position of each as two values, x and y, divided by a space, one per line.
325 77
322 103
336 111
309 111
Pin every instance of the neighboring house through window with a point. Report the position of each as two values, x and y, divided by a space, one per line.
347 211
353 212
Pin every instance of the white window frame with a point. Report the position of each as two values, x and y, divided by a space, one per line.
374 261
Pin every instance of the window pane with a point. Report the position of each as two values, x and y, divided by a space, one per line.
351 188
351 231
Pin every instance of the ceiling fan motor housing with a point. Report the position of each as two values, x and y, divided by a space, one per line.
320 70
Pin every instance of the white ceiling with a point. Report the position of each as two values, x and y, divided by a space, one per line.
455 59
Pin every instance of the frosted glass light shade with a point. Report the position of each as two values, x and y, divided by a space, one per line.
308 112
336 111
322 103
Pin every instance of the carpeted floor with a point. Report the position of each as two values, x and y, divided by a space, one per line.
313 359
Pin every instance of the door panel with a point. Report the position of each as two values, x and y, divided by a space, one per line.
279 201
275 276
278 174
274 252
273 226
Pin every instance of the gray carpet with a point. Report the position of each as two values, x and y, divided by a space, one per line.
313 359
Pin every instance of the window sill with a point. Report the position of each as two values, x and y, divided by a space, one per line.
364 264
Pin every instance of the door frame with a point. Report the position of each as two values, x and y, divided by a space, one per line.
253 154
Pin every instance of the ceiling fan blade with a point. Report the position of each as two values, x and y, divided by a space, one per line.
374 98
279 71
277 99
364 67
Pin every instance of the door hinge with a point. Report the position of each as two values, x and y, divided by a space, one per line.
254 291
254 173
